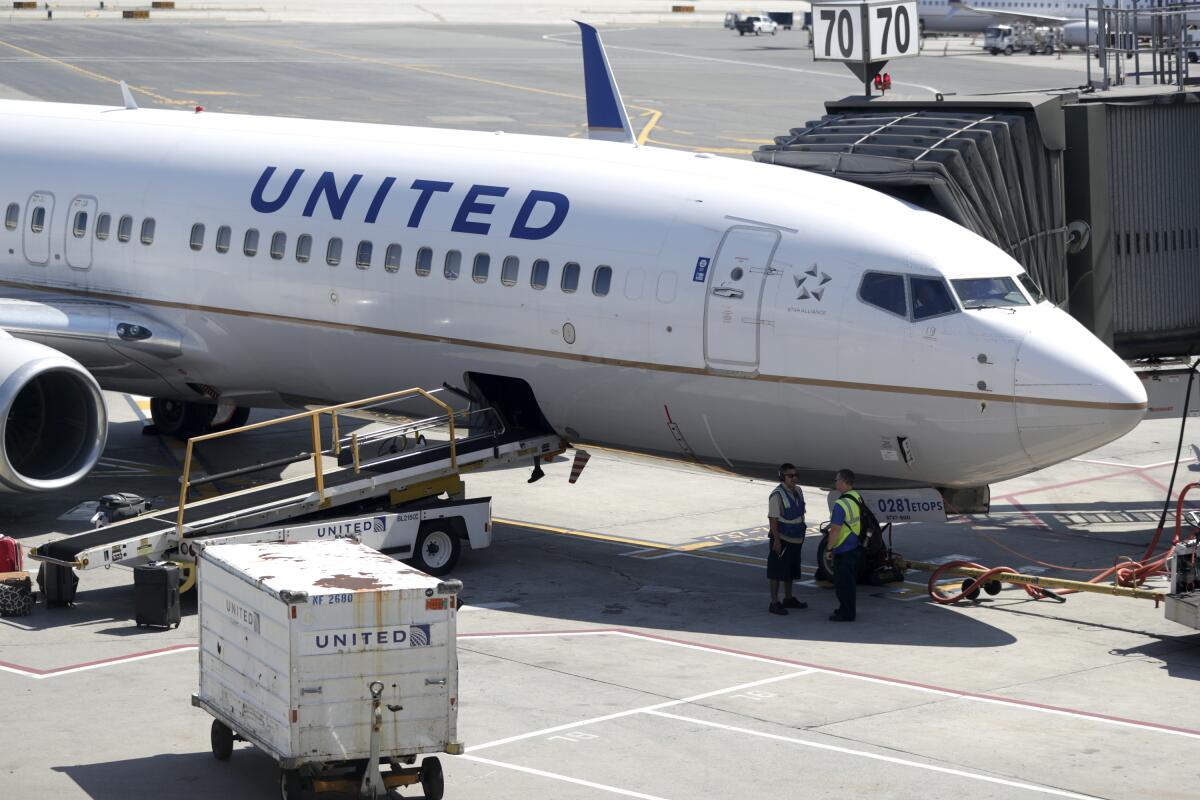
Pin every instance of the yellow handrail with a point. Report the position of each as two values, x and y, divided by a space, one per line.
314 416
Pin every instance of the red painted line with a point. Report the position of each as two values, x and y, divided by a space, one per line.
98 662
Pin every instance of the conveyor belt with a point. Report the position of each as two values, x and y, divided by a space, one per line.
225 509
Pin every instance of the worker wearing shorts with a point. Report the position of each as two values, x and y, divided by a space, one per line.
785 515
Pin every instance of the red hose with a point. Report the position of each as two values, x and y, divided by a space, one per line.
1128 572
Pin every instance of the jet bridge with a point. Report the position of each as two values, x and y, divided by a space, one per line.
1093 192
394 461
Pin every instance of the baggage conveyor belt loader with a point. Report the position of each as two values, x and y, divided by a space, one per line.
391 484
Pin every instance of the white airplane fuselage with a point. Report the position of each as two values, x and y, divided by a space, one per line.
950 16
766 355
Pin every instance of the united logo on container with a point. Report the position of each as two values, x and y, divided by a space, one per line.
418 636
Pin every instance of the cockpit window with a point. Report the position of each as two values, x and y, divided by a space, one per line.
884 290
999 292
1031 287
930 297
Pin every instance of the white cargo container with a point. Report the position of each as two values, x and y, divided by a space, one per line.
333 658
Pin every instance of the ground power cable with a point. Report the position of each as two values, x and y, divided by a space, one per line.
1129 572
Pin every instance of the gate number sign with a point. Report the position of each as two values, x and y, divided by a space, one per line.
872 31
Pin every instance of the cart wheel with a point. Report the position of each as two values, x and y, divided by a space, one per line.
437 549
222 740
966 583
824 560
992 587
291 784
432 782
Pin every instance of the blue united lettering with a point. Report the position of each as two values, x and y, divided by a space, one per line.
423 203
360 639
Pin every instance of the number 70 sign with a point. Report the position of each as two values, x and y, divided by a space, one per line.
865 32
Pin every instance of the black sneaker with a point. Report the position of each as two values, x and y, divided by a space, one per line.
839 618
792 602
777 608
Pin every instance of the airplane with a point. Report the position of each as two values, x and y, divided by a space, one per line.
680 304
974 16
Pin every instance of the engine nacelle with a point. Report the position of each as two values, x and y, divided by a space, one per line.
53 422
1079 33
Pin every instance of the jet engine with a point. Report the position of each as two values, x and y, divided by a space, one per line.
53 423
1079 33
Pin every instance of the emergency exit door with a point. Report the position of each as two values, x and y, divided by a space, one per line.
735 293
81 218
36 239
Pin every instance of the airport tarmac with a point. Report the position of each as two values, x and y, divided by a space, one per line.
615 640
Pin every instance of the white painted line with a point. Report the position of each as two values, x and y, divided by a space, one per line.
619 714
98 665
879 757
555 776
500 604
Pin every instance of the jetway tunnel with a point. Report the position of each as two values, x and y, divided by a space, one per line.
1094 193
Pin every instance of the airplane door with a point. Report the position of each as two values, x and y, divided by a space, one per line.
37 229
734 301
77 241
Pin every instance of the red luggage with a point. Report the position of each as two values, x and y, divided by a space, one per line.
11 559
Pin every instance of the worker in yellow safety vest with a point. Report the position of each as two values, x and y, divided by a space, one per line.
845 527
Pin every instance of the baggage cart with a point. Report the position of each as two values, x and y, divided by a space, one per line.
335 659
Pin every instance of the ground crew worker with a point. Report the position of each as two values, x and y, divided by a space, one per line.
785 515
844 529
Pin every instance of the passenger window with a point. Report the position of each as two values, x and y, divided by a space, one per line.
79 229
391 258
510 271
148 230
424 261
570 277
125 229
479 270
197 238
930 297
38 221
453 264
540 274
12 216
224 238
102 223
303 248
250 242
362 259
278 245
886 291
333 253
601 280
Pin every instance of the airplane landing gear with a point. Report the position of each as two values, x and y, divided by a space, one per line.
182 418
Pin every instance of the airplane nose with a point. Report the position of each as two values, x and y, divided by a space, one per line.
1072 394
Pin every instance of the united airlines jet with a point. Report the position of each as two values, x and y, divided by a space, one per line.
973 16
681 304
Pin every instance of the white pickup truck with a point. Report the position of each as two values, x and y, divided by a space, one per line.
757 24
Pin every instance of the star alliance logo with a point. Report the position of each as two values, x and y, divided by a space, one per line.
805 292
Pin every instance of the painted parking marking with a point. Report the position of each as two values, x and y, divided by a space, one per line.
876 756
541 773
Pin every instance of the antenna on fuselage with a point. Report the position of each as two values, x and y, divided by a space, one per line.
606 117
127 95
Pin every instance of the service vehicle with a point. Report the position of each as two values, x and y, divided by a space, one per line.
757 25
1008 39
289 663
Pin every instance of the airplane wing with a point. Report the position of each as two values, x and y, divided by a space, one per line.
100 334
1011 16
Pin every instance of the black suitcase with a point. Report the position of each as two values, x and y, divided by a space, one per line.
116 507
156 594
58 584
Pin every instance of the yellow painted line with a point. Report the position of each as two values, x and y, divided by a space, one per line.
95 75
217 93
654 114
755 141
728 151
144 405
606 537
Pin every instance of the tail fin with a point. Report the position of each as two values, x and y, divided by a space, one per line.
606 115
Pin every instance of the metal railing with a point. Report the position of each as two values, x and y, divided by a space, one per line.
1155 44
318 451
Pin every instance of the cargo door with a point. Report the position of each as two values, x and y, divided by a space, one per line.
734 301
77 241
36 240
